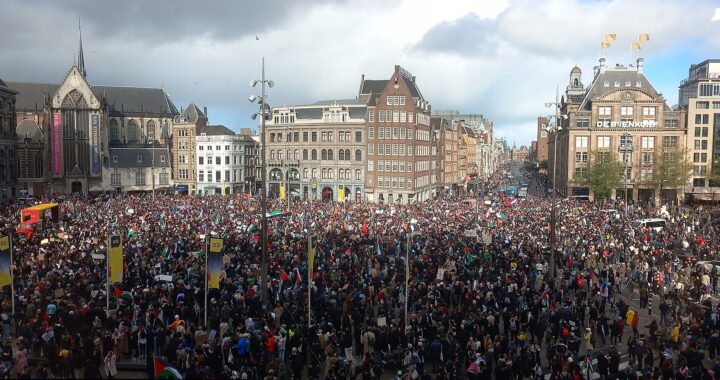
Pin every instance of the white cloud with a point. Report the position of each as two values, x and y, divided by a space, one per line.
499 58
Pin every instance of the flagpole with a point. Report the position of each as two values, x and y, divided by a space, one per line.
12 279
407 278
207 248
309 243
107 278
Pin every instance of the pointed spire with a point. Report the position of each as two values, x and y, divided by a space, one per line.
80 58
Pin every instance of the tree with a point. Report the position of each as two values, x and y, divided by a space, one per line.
544 164
603 174
673 169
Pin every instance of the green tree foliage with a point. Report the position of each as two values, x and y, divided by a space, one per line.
673 169
603 174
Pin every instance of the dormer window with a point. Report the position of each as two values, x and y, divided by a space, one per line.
139 159
627 83
638 84
606 84
617 84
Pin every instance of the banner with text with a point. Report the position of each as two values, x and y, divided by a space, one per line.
57 145
95 145
215 262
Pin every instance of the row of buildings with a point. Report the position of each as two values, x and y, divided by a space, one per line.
383 144
621 113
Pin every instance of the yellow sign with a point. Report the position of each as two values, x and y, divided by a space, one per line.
216 245
4 243
282 191
341 194
115 259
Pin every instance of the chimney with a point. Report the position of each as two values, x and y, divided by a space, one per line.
413 79
205 111
640 65
602 65
596 71
397 68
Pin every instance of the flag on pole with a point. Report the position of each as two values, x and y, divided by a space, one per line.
635 46
298 277
118 292
644 37
163 370
283 276
5 261
610 38
115 259
214 262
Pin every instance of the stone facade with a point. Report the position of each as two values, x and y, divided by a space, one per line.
8 144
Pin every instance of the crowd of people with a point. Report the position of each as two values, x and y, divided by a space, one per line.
481 301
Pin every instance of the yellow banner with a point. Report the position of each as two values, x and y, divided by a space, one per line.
341 194
115 259
215 262
5 261
282 191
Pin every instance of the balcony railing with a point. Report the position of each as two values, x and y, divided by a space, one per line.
700 76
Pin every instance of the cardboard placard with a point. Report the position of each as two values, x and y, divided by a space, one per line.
440 274
59 293
382 321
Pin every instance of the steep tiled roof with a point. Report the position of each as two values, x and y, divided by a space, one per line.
216 130
127 157
622 77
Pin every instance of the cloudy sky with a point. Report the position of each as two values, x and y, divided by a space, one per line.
499 58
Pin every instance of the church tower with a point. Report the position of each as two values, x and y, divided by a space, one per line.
575 86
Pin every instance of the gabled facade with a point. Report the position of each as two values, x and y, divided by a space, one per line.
402 148
186 127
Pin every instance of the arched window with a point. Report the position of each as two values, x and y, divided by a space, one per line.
305 154
289 155
358 155
358 174
347 154
296 154
279 154
324 174
330 155
272 154
341 154
150 130
132 133
341 174
576 82
314 173
114 130
305 173
323 154
314 155
331 173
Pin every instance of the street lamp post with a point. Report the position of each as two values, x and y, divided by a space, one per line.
626 147
264 113
553 211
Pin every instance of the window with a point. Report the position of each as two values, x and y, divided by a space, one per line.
626 111
700 157
201 176
217 176
371 133
580 172
296 136
700 170
381 133
381 166
164 179
582 123
227 175
313 172
201 147
381 149
581 157
388 116
358 155
114 130
603 142
115 179
702 105
371 116
647 158
387 149
182 159
371 165
272 154
698 182
227 160
649 112
114 158
358 175
402 149
217 159
314 136
313 155
581 141
305 154
358 136
410 117
396 116
394 149
139 158
139 178
331 173
701 144
182 145
330 155
605 111
323 154
371 149
403 117
305 137
341 154
646 174
306 172
381 116
647 142
671 123
670 141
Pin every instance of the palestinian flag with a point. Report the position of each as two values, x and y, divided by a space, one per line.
163 370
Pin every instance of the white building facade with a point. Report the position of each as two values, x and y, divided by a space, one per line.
222 161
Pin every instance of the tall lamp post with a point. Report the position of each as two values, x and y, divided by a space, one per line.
553 213
626 147
264 113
